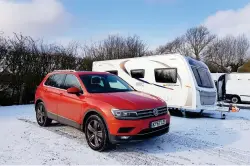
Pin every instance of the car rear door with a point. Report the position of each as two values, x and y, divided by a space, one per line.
52 90
70 105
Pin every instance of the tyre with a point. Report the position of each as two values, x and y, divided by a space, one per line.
96 133
235 99
41 115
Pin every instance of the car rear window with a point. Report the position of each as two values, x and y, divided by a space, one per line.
55 80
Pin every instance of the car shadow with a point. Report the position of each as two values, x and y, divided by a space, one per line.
56 124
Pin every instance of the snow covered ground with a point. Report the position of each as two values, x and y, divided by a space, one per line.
206 140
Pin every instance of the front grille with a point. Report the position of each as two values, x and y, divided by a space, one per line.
149 112
207 98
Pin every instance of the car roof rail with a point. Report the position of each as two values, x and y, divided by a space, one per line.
69 70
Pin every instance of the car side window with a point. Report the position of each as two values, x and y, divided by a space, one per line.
55 80
71 81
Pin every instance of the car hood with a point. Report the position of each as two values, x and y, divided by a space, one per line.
130 100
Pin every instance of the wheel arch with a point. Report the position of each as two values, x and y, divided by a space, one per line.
38 101
92 112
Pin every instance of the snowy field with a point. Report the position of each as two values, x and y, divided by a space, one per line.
206 140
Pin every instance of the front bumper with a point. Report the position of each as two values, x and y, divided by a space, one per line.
142 135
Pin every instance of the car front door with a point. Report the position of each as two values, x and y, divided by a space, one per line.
70 105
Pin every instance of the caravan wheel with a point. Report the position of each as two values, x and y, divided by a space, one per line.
235 99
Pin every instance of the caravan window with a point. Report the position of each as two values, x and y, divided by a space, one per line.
197 77
115 72
137 73
166 75
202 77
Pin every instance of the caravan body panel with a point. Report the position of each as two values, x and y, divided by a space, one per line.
182 92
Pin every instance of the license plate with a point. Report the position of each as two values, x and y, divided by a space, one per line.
158 123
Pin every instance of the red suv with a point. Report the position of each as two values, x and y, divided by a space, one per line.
102 105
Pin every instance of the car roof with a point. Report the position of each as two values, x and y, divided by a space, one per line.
78 72
90 72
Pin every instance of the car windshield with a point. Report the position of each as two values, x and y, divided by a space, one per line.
105 83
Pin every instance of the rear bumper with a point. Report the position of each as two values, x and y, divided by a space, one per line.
142 135
197 110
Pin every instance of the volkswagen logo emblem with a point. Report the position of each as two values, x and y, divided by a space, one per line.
155 112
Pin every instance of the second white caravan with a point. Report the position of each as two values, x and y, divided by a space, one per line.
184 83
233 87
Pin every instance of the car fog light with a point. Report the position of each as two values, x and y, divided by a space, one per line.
124 137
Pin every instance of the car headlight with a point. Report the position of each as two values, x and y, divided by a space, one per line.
124 114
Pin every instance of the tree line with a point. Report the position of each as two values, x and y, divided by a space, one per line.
25 61
221 54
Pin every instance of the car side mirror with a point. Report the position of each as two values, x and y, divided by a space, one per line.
73 90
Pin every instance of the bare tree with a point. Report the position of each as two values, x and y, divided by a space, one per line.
198 38
228 53
178 45
3 65
115 47
193 42
242 52
3 53
24 62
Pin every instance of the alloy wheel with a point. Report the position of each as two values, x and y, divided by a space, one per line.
95 133
40 114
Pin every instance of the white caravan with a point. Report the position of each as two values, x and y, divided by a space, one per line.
184 83
216 76
234 87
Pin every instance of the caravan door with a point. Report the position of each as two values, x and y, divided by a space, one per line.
221 87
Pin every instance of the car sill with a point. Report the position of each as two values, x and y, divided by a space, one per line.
63 120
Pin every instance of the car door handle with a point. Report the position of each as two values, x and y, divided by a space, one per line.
61 94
